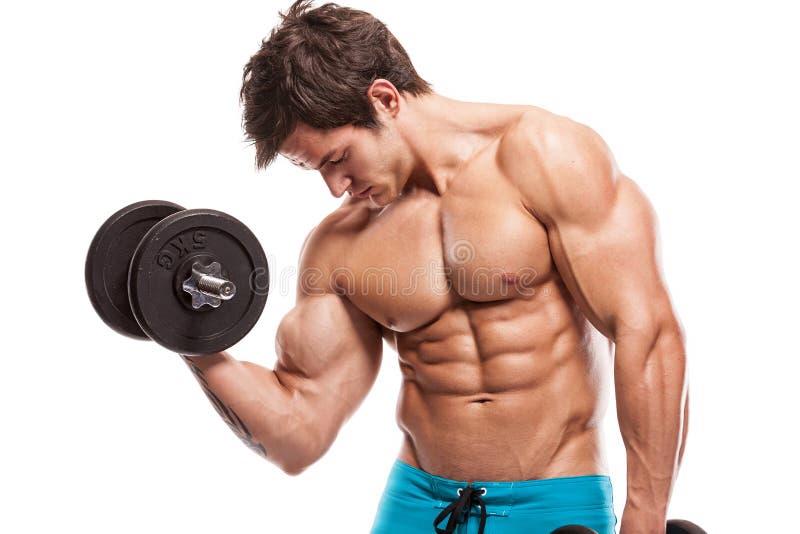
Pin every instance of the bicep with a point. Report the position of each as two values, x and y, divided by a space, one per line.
329 353
609 261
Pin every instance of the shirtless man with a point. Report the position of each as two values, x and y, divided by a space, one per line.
502 253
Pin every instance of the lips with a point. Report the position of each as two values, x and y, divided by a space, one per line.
363 193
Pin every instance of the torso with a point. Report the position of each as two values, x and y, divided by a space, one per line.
504 378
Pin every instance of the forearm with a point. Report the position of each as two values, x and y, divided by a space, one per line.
650 376
263 412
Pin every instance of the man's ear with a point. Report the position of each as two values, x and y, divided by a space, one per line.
384 97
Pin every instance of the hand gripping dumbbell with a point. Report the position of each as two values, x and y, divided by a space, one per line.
194 281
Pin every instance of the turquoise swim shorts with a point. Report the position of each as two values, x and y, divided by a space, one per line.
416 502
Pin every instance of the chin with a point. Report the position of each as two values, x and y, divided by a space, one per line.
381 199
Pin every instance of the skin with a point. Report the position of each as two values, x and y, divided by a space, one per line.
514 269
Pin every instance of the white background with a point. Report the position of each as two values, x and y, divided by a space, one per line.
104 104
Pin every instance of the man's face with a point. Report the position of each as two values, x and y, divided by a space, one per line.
368 164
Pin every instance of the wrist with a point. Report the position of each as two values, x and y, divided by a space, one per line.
643 520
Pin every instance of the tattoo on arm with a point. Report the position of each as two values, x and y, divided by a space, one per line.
230 417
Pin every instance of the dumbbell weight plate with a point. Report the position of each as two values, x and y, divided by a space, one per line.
674 526
108 259
164 259
682 526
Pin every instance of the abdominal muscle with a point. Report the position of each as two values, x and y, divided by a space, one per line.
501 391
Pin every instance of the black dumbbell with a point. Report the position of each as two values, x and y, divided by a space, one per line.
194 281
674 526
682 526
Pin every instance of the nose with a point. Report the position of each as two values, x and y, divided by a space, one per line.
337 183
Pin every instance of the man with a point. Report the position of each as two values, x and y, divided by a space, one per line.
501 252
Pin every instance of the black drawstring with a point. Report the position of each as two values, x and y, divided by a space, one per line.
456 509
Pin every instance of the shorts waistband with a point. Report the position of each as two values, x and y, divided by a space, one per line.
535 495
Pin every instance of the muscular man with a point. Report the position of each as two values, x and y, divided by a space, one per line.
501 252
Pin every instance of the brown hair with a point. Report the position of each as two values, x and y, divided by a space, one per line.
316 67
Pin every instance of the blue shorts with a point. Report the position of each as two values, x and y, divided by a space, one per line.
413 500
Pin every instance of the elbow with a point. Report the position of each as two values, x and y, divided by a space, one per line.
294 464
303 454
293 469
657 334
297 464
671 339
667 349
306 440
653 348
665 362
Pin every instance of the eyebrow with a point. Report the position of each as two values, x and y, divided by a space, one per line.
325 159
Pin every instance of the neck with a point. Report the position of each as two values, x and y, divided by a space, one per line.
442 135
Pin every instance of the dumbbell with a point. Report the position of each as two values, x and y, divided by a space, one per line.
674 526
682 526
194 281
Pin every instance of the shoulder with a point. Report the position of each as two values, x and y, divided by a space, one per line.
336 230
538 134
555 162
326 245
